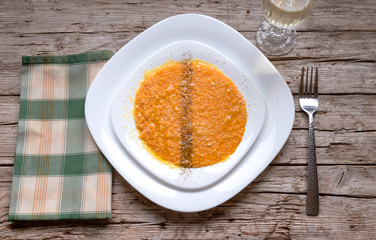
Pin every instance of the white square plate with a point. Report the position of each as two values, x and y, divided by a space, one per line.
278 106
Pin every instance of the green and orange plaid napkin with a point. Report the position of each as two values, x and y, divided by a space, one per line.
59 172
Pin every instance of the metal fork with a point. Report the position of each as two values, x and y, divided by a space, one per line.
309 102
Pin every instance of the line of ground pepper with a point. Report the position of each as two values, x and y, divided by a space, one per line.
186 117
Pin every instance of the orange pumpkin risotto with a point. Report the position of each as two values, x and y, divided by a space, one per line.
189 113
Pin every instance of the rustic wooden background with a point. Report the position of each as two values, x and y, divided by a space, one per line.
339 38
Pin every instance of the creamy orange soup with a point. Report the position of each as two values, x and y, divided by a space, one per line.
189 114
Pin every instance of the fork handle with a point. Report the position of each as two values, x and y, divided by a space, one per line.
312 207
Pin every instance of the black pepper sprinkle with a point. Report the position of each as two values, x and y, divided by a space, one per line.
186 117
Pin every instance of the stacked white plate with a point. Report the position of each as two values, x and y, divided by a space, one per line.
109 111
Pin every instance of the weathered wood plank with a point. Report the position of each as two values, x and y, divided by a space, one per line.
343 77
331 148
334 53
341 180
317 46
110 16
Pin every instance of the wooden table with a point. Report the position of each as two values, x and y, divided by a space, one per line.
339 38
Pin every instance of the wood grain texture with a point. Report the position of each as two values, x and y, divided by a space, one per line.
339 38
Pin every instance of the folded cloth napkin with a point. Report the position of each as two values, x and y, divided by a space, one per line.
59 172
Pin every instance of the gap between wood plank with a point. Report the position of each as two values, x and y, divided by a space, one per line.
321 194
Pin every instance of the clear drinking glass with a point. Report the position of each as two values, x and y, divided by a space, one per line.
277 35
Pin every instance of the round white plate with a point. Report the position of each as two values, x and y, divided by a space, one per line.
125 128
279 106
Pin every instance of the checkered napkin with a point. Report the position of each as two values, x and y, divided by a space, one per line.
59 172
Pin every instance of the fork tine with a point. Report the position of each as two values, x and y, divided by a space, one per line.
306 83
310 93
301 84
315 91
